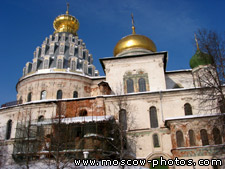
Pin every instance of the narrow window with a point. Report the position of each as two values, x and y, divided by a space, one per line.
123 119
191 137
40 129
43 95
83 113
46 64
130 86
204 137
34 66
60 64
8 129
153 117
155 140
216 136
187 109
142 85
180 139
73 65
59 94
29 97
75 94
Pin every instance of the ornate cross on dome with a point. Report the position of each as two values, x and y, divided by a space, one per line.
133 27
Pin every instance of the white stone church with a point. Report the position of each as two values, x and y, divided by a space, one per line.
158 109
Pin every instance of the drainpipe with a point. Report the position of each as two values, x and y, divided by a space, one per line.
160 95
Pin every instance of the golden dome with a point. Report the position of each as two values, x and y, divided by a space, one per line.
66 23
134 41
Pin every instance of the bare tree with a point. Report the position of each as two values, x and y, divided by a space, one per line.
211 78
125 121
26 144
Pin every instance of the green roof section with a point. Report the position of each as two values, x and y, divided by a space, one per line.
200 58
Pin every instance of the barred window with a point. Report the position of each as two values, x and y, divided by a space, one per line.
43 95
29 97
191 137
123 119
59 94
204 137
75 94
142 85
180 139
153 117
130 86
187 109
155 140
216 136
8 129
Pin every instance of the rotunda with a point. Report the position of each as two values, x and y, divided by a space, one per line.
62 63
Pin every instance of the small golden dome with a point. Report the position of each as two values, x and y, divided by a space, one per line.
66 23
134 41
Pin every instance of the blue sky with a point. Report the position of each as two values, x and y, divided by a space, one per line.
169 23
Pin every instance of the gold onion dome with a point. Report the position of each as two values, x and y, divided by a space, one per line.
134 41
66 23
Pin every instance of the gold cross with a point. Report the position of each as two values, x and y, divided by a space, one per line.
67 11
133 27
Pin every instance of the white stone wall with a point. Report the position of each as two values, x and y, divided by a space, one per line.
53 82
184 79
153 65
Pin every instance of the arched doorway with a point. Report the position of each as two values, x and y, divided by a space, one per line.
157 156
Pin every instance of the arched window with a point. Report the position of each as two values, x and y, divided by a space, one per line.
83 112
59 94
153 117
73 65
40 118
75 94
130 86
216 136
204 137
180 139
29 97
43 95
142 85
187 109
155 140
40 129
59 64
123 119
191 137
8 129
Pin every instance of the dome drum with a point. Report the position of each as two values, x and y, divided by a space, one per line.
56 54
